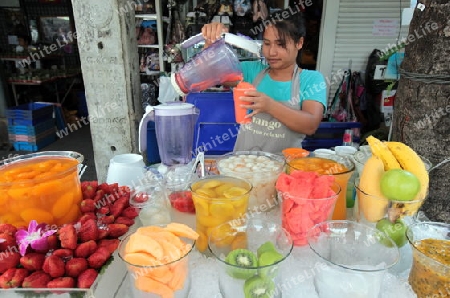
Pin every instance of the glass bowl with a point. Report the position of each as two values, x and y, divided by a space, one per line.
264 243
430 271
354 259
218 199
163 274
261 169
43 186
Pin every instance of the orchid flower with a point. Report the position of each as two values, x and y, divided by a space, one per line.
36 237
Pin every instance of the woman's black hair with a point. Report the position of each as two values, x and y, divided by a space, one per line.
290 24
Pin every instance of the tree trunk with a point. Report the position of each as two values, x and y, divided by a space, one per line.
422 107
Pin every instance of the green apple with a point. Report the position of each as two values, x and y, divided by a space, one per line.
396 231
399 185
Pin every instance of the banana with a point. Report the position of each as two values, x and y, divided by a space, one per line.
410 161
372 203
381 150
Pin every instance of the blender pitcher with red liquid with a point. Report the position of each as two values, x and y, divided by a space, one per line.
215 65
174 126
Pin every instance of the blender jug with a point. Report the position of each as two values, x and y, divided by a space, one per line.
174 125
214 65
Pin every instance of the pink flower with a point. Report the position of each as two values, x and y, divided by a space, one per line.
36 237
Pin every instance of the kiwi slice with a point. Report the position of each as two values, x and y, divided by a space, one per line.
259 287
242 259
269 258
266 246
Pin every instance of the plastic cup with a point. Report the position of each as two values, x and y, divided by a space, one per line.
301 214
218 199
239 111
429 277
291 153
249 234
178 179
353 259
169 279
341 167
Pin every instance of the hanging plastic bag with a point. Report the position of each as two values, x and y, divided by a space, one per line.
166 91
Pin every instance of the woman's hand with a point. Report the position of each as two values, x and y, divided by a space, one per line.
258 102
211 32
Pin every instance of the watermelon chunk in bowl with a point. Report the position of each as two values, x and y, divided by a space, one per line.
307 199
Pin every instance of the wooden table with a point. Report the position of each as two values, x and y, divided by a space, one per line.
50 80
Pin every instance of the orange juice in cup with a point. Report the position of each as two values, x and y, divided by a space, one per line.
239 111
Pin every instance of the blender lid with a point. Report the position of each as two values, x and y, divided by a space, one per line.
174 109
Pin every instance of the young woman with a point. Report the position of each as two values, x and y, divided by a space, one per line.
288 102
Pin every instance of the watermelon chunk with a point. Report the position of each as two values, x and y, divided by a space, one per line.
304 202
283 182
299 191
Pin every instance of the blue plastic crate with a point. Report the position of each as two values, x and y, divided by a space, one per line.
29 114
34 146
31 130
31 138
216 120
330 134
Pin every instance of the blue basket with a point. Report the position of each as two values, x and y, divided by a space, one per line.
210 124
31 130
34 146
329 134
29 114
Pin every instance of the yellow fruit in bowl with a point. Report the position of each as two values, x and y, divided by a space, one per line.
234 191
372 203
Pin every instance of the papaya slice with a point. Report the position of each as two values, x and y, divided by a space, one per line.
182 230
141 243
147 284
141 259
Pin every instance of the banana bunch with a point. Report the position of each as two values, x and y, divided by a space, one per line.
396 155
381 150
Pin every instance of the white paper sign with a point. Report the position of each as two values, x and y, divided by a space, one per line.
385 27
